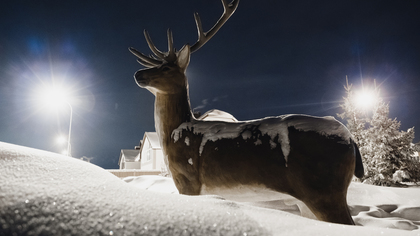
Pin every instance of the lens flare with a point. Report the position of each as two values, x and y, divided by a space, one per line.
61 139
366 99
53 96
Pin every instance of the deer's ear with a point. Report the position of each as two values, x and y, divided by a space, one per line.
184 57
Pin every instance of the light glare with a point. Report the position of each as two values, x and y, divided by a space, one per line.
61 139
366 99
53 97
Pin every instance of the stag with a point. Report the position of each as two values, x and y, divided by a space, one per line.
310 158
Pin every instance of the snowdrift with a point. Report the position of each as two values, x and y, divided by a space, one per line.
43 193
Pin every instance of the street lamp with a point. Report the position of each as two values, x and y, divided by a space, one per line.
54 97
366 99
62 140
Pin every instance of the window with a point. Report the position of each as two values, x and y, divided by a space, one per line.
149 154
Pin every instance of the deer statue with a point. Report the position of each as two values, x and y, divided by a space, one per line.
310 158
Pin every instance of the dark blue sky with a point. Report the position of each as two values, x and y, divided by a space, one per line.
274 58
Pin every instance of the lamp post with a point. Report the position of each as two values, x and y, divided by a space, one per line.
68 141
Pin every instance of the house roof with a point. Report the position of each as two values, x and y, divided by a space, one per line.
129 155
218 115
153 138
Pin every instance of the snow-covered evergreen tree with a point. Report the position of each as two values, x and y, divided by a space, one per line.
386 151
417 147
355 121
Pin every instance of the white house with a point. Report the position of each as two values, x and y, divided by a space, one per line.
151 155
128 159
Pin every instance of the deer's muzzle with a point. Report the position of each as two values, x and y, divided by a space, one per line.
140 80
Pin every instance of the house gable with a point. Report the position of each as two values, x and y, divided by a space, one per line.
128 158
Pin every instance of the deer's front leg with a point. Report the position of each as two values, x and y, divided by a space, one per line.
183 162
186 185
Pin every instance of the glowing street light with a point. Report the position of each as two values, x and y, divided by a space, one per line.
54 97
61 140
366 99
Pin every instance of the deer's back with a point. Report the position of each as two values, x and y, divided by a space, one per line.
271 153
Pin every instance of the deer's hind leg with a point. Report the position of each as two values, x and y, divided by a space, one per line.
332 208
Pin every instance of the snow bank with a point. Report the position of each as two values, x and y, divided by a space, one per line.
42 193
153 183
371 206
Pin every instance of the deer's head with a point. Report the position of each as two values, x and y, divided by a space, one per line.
165 71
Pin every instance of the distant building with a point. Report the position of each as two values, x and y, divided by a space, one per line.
128 159
151 154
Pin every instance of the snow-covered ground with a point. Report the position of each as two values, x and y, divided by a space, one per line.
43 193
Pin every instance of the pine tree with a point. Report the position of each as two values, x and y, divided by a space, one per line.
355 123
385 150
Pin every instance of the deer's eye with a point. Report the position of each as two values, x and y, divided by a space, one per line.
166 68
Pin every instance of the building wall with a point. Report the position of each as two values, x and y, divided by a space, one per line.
151 159
147 156
132 165
159 162
155 162
147 165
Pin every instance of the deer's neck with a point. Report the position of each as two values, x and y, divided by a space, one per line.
171 110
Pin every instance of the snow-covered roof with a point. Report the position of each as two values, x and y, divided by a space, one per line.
218 115
153 138
129 155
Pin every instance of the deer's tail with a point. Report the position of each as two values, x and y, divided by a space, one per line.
359 170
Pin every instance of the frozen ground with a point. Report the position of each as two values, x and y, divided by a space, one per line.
43 193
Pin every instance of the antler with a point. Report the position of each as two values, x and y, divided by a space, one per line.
160 57
203 37
145 60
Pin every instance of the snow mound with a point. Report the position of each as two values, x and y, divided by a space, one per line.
386 207
43 193
153 183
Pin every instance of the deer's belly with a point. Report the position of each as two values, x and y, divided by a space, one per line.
245 193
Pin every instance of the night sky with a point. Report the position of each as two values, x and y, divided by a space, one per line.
269 59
